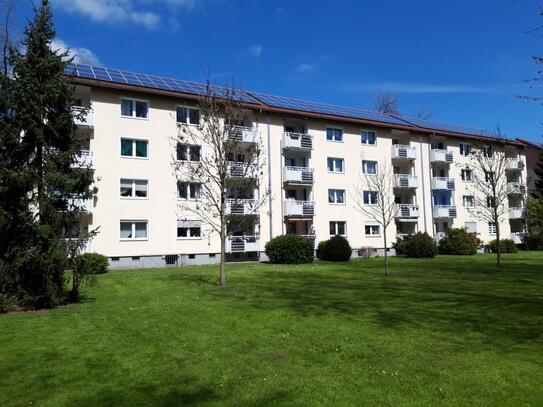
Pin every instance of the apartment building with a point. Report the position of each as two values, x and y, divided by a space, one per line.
316 157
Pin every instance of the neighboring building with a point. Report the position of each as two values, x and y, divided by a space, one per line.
534 153
315 155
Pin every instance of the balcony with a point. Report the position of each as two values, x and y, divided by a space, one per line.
441 156
243 134
292 207
242 170
407 213
516 188
444 211
83 116
83 159
405 181
518 237
403 152
80 204
440 235
242 244
443 183
517 213
298 175
297 141
241 207
514 164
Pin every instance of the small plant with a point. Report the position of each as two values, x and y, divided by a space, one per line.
85 267
419 245
506 246
7 303
458 242
335 249
289 249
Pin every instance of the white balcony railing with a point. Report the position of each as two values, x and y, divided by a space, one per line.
243 134
443 183
441 156
516 188
518 237
517 213
242 244
297 141
407 213
292 207
403 152
242 170
241 207
298 175
81 204
514 164
440 235
83 116
83 159
405 181
444 211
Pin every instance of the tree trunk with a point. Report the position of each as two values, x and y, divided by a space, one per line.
386 253
498 249
222 272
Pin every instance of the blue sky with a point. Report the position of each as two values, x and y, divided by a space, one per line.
463 61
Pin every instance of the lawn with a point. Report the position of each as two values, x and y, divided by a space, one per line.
447 331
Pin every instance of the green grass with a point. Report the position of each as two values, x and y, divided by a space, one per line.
446 331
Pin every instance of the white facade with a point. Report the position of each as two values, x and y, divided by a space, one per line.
314 166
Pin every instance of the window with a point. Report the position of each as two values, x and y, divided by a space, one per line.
188 152
465 149
371 230
133 230
488 151
489 176
469 201
134 148
490 202
189 229
334 134
188 190
370 197
369 167
467 175
335 164
492 228
471 227
338 228
187 115
134 108
134 188
368 137
336 196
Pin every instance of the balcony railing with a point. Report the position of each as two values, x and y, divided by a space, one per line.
297 141
444 211
241 207
292 207
514 164
405 181
243 134
516 188
83 116
243 244
517 213
403 152
441 156
440 235
80 204
298 175
242 170
443 183
407 213
518 237
83 159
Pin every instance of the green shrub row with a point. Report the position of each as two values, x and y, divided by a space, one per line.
458 242
506 246
336 248
289 249
419 245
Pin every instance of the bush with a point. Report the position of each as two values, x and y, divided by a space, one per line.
506 246
458 242
419 245
289 249
7 303
335 249
91 263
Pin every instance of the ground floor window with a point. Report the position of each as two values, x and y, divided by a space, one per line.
189 229
133 229
492 228
338 228
372 230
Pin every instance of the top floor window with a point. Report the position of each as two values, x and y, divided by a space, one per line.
465 149
368 137
488 151
334 134
369 167
188 115
134 108
188 152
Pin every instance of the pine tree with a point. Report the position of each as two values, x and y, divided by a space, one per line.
41 145
537 191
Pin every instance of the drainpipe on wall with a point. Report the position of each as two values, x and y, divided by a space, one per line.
423 189
270 206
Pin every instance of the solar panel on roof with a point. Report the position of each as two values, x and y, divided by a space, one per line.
453 128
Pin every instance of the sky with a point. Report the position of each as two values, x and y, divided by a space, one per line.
463 61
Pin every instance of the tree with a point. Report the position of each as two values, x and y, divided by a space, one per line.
537 191
227 170
384 102
42 191
374 197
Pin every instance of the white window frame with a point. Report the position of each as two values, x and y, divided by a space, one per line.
188 227
364 167
491 228
336 222
368 131
188 146
461 148
188 198
133 116
187 121
372 225
139 198
133 156
335 192
335 128
464 171
464 200
370 194
334 171
134 221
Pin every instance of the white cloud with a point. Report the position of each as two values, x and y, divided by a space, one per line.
255 50
407 87
79 55
305 68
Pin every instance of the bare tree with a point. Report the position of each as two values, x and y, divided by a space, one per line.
374 197
7 8
423 114
384 102
224 170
